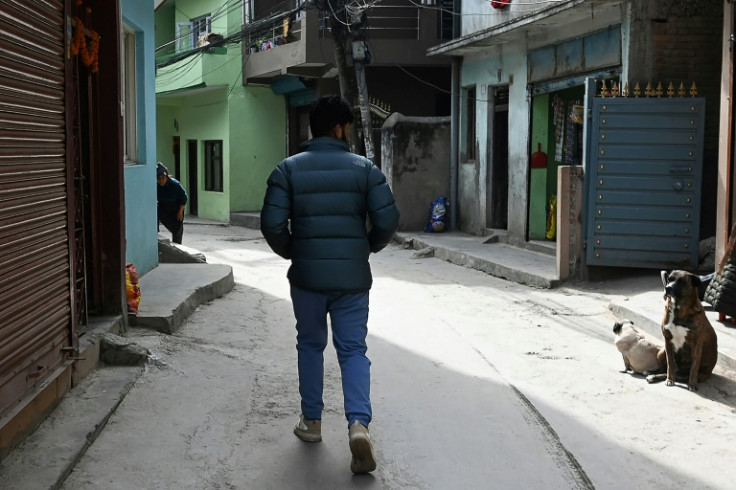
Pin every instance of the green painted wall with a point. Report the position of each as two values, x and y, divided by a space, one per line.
258 138
165 29
205 117
223 14
165 132
540 122
250 121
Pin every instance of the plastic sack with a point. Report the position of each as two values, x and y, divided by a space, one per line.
437 216
132 288
552 219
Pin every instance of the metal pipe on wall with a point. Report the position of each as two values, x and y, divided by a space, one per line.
454 139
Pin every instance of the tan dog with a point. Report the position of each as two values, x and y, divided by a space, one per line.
689 339
642 353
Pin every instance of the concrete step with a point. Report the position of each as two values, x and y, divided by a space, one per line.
46 457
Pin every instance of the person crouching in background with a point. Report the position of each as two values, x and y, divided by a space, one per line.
172 199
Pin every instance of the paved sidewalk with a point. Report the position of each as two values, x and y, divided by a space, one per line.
495 258
636 295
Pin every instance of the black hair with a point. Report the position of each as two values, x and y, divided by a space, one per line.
327 112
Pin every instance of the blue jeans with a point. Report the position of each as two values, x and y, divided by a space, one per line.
349 322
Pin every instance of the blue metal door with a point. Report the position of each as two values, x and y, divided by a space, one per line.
644 182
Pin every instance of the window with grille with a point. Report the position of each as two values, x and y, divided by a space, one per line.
298 4
193 34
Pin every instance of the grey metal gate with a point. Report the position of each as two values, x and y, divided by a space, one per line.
644 182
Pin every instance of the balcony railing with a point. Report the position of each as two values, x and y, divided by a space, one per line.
260 40
308 50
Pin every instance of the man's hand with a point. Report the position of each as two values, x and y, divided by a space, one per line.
180 214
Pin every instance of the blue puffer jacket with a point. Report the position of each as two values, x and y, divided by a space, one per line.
315 211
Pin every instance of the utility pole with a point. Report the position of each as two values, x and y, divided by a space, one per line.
346 81
351 57
360 57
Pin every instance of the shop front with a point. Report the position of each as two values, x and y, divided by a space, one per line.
557 76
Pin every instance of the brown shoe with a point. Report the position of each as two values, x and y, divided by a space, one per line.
308 430
364 461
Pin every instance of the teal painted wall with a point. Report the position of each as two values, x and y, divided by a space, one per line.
140 183
258 138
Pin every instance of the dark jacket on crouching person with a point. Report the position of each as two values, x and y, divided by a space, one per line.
331 192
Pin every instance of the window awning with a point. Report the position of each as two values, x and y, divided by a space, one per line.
191 90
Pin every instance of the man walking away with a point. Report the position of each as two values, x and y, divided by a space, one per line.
172 199
315 214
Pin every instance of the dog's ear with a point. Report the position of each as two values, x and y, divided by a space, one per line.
665 277
694 280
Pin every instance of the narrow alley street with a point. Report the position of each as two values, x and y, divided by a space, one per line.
477 383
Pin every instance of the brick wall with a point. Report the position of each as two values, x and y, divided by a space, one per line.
687 39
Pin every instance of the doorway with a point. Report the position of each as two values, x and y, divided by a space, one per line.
556 139
497 176
298 127
177 157
192 166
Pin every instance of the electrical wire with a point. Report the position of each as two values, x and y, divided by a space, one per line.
219 13
214 16
247 31
261 27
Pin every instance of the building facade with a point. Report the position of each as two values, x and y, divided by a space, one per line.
218 137
292 50
521 75
77 186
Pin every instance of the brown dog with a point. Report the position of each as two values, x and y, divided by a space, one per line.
642 353
689 339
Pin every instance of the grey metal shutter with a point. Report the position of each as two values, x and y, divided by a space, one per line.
35 305
644 182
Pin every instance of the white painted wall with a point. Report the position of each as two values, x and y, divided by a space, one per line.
506 66
478 15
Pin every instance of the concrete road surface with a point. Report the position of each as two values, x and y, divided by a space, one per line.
478 383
